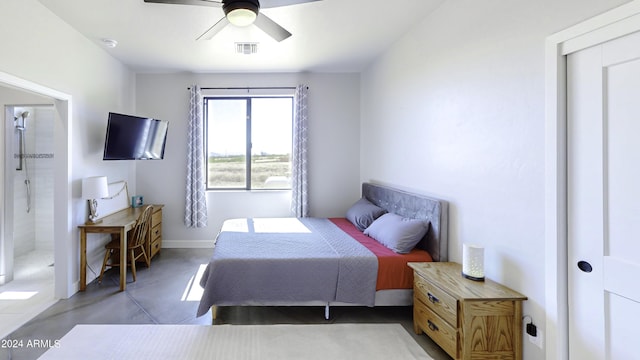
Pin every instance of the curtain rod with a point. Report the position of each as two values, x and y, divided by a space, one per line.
248 88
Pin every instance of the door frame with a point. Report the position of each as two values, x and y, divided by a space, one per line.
615 23
63 228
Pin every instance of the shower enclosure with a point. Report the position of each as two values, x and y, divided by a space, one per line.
21 127
28 174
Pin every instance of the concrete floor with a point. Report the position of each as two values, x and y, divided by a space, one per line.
168 293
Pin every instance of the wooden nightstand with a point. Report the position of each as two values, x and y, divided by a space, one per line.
468 319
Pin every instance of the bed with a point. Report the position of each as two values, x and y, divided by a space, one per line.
327 262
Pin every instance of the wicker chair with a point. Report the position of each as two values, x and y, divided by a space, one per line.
135 245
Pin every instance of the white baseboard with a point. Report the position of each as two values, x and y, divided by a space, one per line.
187 244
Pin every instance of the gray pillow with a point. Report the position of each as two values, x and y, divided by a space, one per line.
397 233
362 213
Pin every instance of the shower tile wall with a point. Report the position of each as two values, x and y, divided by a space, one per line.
34 230
43 189
24 232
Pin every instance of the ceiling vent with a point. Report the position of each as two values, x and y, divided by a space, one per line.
246 48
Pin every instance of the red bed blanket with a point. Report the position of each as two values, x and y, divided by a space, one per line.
393 272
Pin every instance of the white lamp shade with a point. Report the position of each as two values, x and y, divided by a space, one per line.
473 262
95 187
241 17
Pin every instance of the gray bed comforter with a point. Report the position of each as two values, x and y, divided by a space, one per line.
287 260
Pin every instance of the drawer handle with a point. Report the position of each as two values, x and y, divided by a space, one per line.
432 326
432 298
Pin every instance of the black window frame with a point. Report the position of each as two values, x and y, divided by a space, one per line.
248 147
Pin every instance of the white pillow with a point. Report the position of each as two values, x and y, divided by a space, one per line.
397 233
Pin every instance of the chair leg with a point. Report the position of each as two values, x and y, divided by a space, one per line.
104 265
133 265
146 258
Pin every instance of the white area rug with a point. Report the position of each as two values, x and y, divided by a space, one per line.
334 341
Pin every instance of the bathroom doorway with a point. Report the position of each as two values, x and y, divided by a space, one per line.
15 90
28 255
29 175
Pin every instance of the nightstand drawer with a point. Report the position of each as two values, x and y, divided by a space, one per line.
436 328
437 300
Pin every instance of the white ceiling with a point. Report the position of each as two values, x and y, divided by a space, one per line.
328 35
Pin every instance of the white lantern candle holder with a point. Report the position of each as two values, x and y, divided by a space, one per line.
473 262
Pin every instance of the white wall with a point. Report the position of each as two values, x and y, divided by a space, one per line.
334 115
455 109
41 49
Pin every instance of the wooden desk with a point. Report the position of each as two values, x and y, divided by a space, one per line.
117 223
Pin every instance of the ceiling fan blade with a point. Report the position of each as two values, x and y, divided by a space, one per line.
265 4
188 2
271 27
216 28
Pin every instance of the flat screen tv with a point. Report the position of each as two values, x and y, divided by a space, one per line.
134 138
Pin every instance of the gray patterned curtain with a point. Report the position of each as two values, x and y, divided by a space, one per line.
195 215
299 183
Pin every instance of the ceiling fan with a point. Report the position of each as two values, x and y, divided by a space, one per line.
241 13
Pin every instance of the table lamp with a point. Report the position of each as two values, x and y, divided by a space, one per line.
473 262
95 187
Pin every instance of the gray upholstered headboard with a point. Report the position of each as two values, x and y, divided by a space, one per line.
416 207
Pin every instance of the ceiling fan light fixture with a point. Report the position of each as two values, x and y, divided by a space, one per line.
241 17
241 13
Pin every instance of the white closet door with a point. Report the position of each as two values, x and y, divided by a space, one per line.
603 105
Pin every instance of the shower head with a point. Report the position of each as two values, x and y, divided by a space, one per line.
23 115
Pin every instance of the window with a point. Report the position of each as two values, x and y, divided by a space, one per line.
249 142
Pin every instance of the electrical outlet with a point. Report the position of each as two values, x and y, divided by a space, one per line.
532 329
538 339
